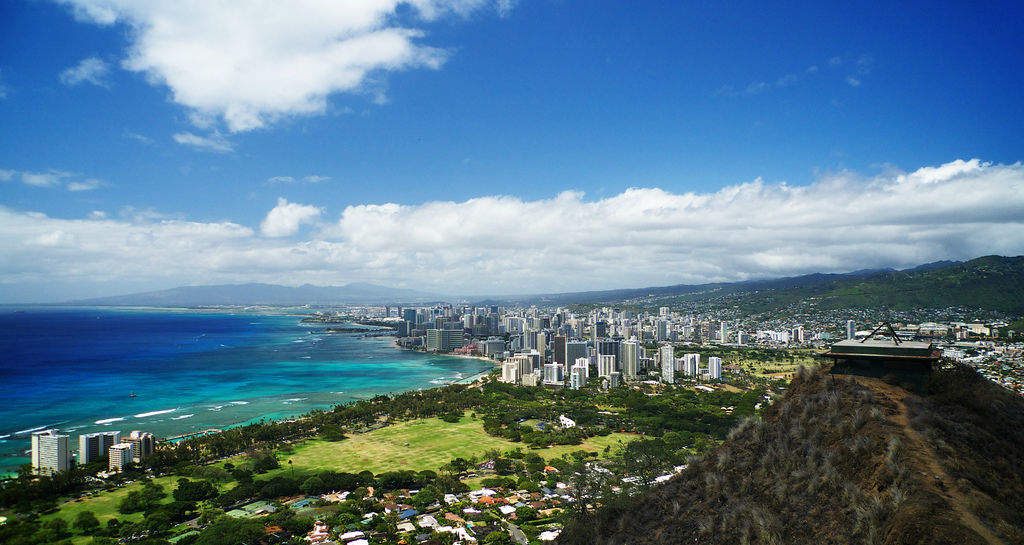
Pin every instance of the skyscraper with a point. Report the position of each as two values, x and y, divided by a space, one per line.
668 363
558 350
629 353
661 330
50 452
605 365
575 350
851 330
723 332
609 347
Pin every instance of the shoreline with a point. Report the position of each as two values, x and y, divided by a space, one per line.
14 454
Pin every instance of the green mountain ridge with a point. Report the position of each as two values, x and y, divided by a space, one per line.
989 283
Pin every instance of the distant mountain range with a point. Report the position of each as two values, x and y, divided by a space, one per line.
991 283
264 294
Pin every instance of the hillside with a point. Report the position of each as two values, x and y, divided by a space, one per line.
990 283
263 294
839 460
993 283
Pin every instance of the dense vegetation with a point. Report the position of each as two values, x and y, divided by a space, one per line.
677 423
836 460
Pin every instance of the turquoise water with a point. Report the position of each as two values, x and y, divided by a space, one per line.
75 368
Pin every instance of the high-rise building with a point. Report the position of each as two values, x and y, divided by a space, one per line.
797 334
691 364
50 452
510 372
629 352
723 332
494 346
444 340
92 446
605 365
143 444
599 330
575 350
714 368
742 338
524 363
663 311
583 363
609 347
615 379
409 315
668 369
553 374
578 377
558 350
851 330
121 454
661 330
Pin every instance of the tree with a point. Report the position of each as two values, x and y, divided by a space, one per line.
194 490
87 522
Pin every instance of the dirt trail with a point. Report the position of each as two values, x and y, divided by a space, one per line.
928 463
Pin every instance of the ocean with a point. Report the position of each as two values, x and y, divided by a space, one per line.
75 369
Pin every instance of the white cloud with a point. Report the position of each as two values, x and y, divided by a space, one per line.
138 137
249 63
92 70
87 184
310 179
51 178
214 142
286 218
502 244
852 81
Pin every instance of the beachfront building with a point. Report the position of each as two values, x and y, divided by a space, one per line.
121 454
93 446
50 452
444 340
510 372
143 444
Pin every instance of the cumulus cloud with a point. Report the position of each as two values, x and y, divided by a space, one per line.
214 142
502 244
249 63
92 70
286 218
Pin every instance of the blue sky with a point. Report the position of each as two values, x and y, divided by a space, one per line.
521 101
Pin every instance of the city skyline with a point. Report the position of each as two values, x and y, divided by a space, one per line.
499 147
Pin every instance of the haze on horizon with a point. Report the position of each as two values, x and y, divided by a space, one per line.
499 147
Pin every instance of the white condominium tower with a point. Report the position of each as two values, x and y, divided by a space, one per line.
714 368
50 452
630 353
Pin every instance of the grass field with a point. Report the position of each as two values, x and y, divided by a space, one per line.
432 442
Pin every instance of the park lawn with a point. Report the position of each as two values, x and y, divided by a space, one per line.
432 442
104 504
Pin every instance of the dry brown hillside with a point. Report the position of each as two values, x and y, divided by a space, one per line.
841 460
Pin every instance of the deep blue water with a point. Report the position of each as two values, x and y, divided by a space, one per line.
75 369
